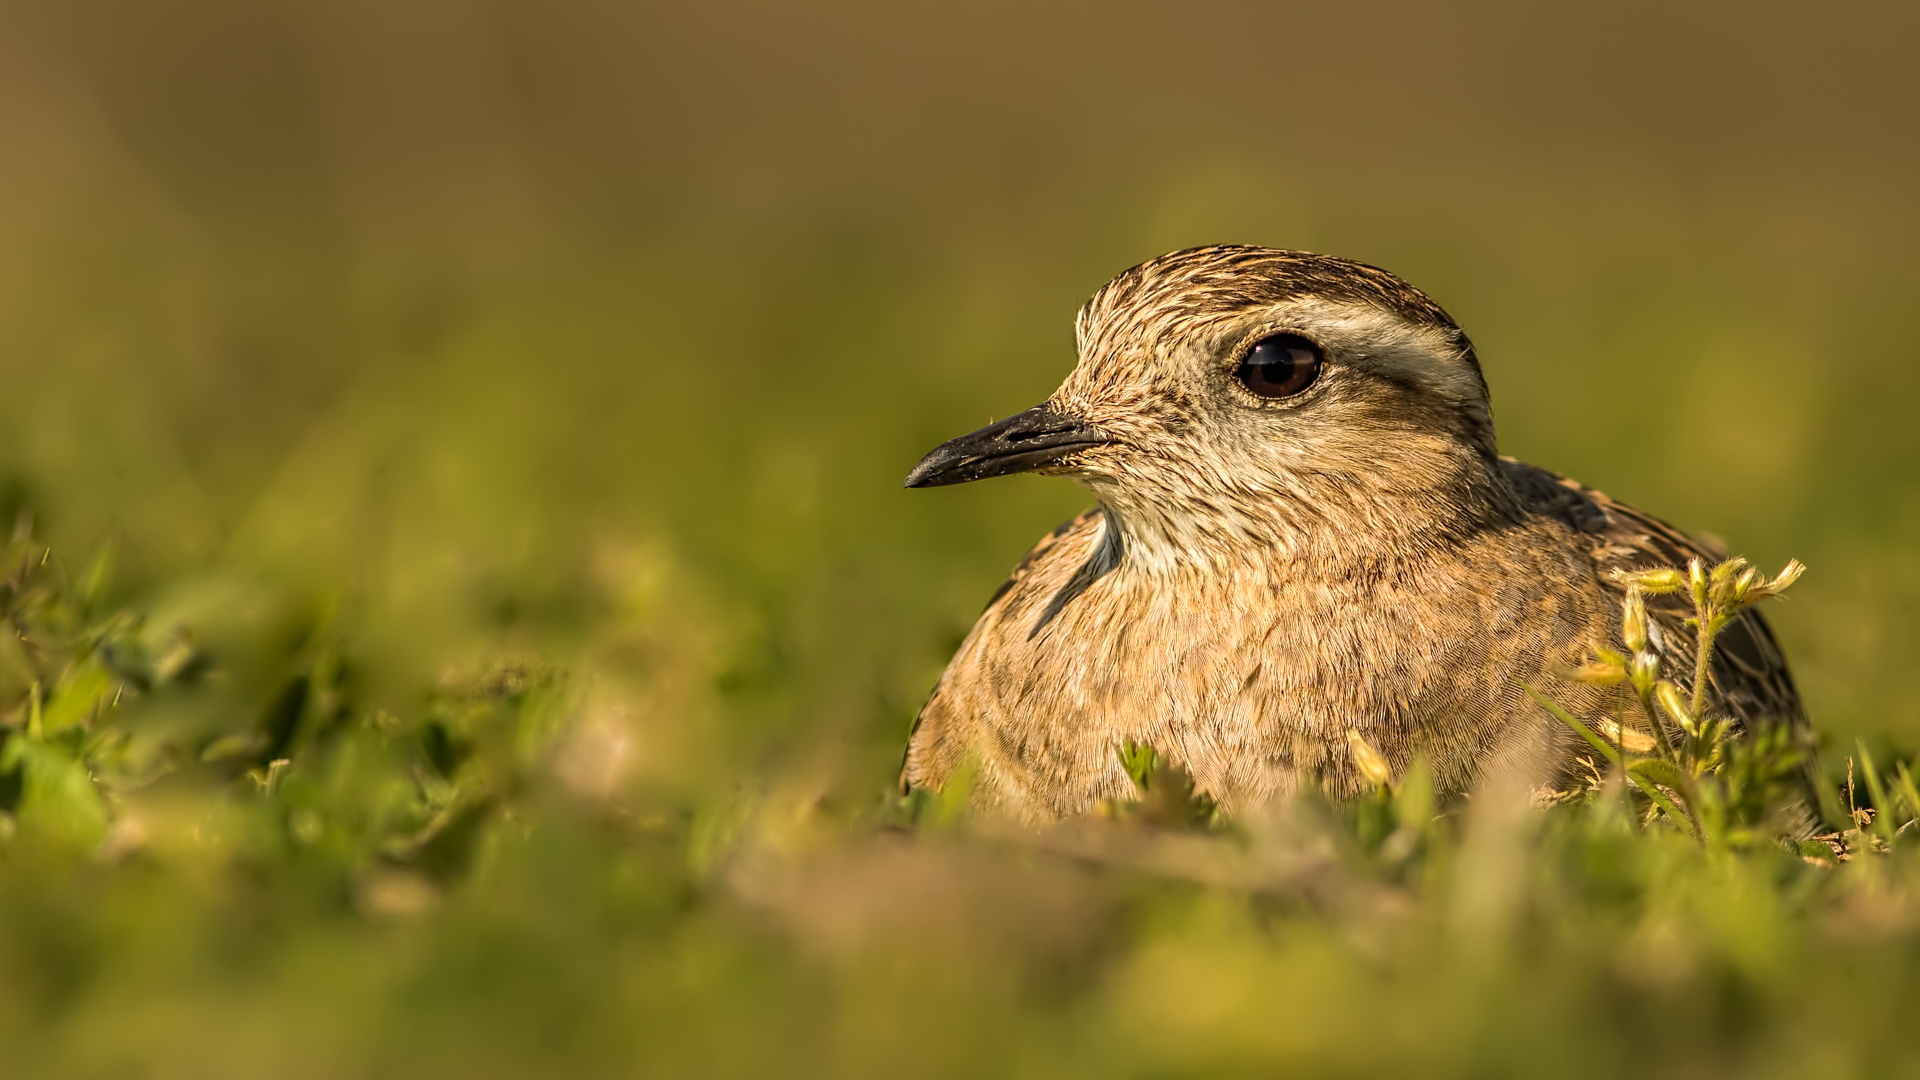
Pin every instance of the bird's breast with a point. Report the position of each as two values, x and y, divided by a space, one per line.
1253 676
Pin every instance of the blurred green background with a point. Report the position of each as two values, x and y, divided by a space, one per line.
436 297
605 333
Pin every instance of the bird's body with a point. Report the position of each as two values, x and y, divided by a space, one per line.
1285 554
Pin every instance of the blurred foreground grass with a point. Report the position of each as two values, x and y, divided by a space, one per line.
219 859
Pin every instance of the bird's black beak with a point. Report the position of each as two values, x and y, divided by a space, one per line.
1030 440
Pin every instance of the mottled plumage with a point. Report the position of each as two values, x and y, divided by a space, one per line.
1263 575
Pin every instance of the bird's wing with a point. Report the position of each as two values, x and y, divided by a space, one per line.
938 759
1749 674
1087 519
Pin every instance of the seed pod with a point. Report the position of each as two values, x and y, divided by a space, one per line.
1656 582
1721 592
1596 672
1675 706
1368 760
1787 576
1637 742
1697 579
1633 620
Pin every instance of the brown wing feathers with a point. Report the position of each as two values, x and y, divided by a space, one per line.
1749 674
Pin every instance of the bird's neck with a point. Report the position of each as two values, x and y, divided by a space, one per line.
1321 520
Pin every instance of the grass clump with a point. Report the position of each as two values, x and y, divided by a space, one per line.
126 741
222 858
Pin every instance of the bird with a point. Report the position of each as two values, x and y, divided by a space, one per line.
1304 538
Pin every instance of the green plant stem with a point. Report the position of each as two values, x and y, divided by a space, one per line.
1619 742
1659 727
1703 656
1606 750
1666 805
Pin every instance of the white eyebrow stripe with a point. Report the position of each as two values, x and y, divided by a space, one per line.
1429 356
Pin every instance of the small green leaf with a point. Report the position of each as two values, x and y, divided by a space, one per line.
58 798
75 700
1660 800
1650 771
1413 801
1660 772
98 577
1139 759
1814 849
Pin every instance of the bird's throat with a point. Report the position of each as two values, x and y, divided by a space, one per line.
1325 524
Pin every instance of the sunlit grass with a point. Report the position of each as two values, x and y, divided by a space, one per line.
221 858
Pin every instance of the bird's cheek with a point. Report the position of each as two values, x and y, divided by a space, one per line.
1103 473
1099 465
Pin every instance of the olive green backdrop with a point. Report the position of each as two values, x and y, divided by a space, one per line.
465 307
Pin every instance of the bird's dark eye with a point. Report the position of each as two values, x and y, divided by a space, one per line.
1280 366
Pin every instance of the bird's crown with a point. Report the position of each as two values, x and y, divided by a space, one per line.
1217 303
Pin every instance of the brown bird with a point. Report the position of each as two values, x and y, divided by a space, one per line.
1304 528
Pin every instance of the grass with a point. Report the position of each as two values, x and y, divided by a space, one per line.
222 860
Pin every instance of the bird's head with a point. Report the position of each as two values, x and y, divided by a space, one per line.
1238 399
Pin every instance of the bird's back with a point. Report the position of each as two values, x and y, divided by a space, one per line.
1750 679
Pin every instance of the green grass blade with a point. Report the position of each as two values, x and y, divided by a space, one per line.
1882 806
1573 722
1908 791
